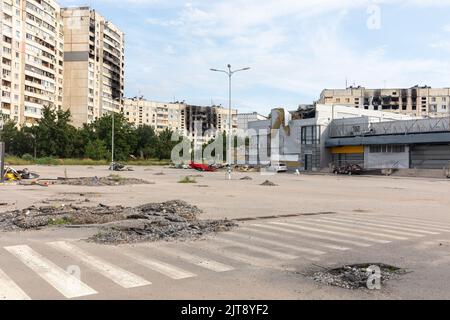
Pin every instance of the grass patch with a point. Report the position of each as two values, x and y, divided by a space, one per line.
60 221
27 161
187 179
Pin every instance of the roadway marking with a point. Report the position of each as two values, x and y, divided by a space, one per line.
159 266
347 226
381 225
118 275
331 232
278 244
291 238
67 284
269 252
401 222
308 234
199 261
9 290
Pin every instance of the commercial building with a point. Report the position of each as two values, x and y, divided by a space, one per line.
159 115
416 101
244 118
31 58
94 65
299 139
406 144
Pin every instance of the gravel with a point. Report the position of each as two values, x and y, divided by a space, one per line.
169 220
268 183
111 180
355 276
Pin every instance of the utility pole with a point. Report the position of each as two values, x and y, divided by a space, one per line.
230 73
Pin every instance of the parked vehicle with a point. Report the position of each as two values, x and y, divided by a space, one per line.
279 167
202 167
349 169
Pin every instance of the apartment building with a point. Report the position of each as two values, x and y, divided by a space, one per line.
159 115
31 59
417 101
94 65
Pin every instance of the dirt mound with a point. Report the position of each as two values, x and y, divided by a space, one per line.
355 276
246 178
268 183
111 180
150 222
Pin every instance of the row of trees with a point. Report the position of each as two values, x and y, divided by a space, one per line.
54 136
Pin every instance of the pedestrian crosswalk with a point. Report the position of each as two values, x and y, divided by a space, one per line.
255 244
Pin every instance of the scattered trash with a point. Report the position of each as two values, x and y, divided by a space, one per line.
355 276
160 174
111 180
115 166
268 183
11 174
247 178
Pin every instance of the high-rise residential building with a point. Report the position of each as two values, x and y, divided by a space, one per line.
94 65
31 59
189 120
159 115
417 101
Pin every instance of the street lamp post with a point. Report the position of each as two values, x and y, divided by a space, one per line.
229 73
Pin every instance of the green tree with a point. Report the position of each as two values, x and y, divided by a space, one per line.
96 150
146 142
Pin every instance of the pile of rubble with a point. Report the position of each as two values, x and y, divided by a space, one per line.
111 180
117 224
268 183
355 276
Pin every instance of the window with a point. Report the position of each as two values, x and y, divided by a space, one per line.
310 135
387 149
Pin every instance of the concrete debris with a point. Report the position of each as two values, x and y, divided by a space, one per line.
247 178
111 180
355 276
160 174
117 224
268 183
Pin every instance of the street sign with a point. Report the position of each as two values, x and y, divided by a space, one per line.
2 161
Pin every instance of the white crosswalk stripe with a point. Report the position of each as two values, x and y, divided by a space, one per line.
423 225
400 222
9 290
303 241
67 284
278 244
287 228
352 230
159 266
423 222
118 275
322 230
217 248
386 226
199 261
266 251
398 235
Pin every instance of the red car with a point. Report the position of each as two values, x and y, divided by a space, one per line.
202 167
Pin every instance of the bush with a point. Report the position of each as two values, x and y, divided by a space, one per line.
27 157
187 179
47 161
96 150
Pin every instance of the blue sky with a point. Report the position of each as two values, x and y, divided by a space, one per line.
295 48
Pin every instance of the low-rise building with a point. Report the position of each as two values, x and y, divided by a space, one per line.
244 118
300 142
